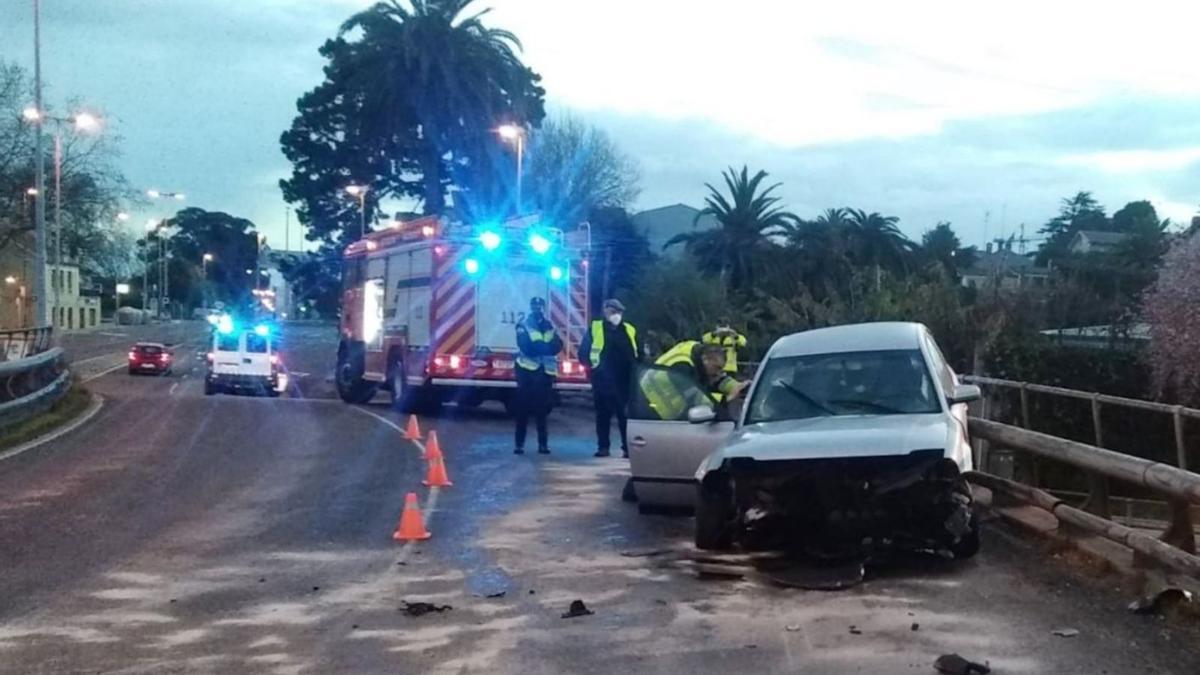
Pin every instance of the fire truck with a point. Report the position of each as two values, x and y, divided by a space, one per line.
429 309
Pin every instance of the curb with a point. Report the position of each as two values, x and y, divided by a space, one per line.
97 402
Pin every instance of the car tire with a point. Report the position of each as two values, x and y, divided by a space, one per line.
351 386
715 514
209 388
629 492
969 544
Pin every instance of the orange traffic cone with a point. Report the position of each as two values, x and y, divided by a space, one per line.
432 449
436 477
413 431
411 527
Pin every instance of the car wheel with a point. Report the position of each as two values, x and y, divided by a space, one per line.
715 515
968 545
628 493
209 388
133 371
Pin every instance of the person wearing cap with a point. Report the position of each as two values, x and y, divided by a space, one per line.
725 336
609 351
537 367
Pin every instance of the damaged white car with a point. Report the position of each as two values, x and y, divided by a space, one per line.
851 438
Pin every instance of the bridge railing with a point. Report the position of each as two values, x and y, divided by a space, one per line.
1179 486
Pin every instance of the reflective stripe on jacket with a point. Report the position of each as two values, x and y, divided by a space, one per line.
598 340
547 362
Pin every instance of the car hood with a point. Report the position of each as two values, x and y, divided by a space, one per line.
839 436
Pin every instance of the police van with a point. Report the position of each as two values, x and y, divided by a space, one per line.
244 359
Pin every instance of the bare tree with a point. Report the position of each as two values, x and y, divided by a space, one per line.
1172 306
573 168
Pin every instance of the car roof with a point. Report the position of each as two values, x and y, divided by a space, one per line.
859 337
150 344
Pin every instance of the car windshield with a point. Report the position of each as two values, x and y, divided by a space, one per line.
256 344
892 382
149 350
227 343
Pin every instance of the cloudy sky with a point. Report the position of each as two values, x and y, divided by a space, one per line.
926 110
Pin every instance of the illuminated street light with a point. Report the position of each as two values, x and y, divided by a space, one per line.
208 257
122 216
86 122
360 192
32 192
516 135
31 114
153 194
10 280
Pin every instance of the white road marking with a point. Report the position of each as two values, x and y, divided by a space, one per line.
173 388
105 372
297 373
94 358
93 408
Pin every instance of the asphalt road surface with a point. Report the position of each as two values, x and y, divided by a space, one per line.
181 533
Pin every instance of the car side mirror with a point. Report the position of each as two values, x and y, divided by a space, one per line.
701 414
965 393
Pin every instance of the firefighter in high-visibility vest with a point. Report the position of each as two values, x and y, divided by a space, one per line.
730 339
610 349
537 368
702 364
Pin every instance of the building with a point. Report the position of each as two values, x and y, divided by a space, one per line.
1132 337
660 225
1094 241
73 305
284 298
1004 269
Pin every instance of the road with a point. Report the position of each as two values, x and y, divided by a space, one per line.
182 533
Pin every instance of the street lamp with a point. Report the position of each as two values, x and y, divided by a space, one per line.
122 216
82 122
515 135
360 192
32 192
163 278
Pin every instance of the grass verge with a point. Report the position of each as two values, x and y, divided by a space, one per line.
66 409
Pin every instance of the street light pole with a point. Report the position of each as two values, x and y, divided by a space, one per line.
39 246
58 272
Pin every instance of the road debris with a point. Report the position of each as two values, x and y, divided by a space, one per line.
1065 632
499 594
416 609
792 627
915 627
1157 602
953 664
854 630
577 609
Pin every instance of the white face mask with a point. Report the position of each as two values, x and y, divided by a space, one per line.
614 319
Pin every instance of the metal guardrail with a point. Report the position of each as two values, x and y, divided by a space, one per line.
21 343
1179 486
32 384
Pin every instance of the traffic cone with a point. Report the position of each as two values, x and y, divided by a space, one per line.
436 476
413 431
432 449
411 527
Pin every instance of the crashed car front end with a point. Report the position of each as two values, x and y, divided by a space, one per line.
843 505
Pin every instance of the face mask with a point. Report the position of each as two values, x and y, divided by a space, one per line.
614 319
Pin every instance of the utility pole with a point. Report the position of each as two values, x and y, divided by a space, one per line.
39 246
287 228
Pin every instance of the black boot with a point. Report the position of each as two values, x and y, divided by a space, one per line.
519 451
602 452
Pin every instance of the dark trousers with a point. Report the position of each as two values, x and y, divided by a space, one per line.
539 419
609 404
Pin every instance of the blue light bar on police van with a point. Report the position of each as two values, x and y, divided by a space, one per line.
225 324
490 239
262 330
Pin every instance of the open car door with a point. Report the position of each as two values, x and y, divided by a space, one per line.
665 449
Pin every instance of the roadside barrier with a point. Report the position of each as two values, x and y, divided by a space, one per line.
432 449
413 431
436 475
411 526
30 385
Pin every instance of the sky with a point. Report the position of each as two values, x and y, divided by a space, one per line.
984 116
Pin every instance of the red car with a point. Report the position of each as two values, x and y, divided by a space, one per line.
149 357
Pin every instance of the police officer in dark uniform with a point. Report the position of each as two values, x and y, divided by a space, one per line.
537 368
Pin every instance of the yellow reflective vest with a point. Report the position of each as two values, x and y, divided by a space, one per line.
665 397
730 343
549 363
598 340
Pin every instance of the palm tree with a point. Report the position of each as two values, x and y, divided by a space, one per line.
878 241
747 219
448 68
824 257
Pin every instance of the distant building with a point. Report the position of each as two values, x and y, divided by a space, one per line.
1131 337
74 306
1004 269
285 300
1094 241
661 224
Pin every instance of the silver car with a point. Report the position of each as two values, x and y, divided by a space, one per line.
850 436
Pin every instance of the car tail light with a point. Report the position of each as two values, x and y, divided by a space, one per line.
133 356
448 362
165 357
455 362
274 359
208 357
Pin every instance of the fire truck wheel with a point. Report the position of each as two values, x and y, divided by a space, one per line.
350 384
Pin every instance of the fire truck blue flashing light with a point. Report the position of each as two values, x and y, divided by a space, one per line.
471 265
557 273
490 239
225 324
539 243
